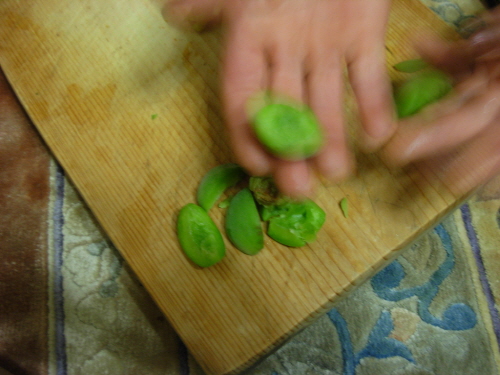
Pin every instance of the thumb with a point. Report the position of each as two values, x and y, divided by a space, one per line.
192 14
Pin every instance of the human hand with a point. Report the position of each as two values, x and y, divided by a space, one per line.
298 49
458 139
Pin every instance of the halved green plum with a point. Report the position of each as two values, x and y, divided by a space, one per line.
199 237
288 131
243 224
421 90
216 181
294 224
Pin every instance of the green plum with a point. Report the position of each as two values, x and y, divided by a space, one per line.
243 224
199 237
420 90
216 181
294 224
290 222
288 131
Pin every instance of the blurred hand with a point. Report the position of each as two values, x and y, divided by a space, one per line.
299 48
458 139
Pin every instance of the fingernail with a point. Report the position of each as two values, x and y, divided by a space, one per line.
174 14
376 138
382 129
335 167
301 189
258 167
484 40
179 15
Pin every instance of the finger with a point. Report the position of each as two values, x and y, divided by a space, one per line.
286 73
418 140
451 57
325 94
371 85
192 14
485 41
244 75
286 78
470 166
293 178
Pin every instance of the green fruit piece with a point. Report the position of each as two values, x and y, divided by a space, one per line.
268 212
216 181
284 235
421 90
411 66
243 225
344 206
225 203
294 223
265 191
199 237
288 131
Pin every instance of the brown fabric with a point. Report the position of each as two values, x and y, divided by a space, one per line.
24 198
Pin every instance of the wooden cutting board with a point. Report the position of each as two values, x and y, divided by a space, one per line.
93 74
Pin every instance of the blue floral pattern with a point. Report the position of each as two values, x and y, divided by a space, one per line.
456 317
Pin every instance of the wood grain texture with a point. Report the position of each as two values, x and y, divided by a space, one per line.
91 74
